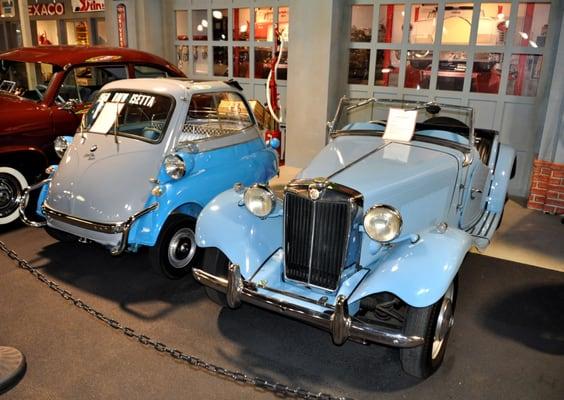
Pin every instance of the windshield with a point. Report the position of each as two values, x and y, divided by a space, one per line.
29 80
139 115
442 121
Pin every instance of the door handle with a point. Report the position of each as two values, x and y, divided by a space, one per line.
473 193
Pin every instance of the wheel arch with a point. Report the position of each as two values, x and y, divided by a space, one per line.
29 161
147 229
417 273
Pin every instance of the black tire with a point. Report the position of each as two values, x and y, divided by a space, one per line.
175 252
424 360
215 263
60 236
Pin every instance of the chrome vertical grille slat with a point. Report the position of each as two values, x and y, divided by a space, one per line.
298 225
329 243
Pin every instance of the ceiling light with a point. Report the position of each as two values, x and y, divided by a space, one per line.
533 44
243 28
200 28
217 14
204 23
524 35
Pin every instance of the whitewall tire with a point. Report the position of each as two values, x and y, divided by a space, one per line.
12 183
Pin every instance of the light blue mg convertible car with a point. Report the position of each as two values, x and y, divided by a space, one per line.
149 155
367 241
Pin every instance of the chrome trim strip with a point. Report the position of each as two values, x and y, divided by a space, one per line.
23 200
339 323
122 227
361 158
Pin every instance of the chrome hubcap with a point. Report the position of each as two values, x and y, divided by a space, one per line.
445 321
182 248
9 191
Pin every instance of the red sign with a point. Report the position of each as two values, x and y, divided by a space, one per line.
122 25
48 9
88 5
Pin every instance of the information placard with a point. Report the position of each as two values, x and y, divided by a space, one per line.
400 124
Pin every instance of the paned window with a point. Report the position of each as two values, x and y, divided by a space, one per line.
403 46
361 23
532 24
232 42
181 19
200 24
486 72
423 23
390 23
241 23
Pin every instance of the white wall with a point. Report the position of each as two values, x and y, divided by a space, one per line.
317 71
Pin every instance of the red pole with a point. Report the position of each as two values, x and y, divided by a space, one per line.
389 27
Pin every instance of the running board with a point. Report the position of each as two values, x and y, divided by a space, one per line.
484 228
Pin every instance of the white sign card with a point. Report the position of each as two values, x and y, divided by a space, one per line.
107 117
400 124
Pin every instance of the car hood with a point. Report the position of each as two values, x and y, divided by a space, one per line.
102 181
416 178
16 114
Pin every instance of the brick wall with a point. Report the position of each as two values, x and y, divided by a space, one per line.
547 187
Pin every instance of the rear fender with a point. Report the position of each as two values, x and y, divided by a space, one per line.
225 223
418 273
500 181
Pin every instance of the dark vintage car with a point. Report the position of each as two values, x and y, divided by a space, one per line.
42 93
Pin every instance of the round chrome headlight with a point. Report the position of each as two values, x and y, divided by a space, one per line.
382 223
259 200
174 166
60 145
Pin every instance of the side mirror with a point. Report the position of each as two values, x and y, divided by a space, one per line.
69 105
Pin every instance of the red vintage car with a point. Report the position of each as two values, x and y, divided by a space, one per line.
42 93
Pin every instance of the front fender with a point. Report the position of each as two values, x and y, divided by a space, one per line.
418 273
208 173
244 238
502 175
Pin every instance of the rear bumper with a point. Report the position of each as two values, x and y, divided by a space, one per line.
339 323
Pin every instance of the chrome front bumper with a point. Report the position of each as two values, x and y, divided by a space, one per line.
121 227
339 323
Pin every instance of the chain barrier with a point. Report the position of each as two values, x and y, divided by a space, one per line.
276 388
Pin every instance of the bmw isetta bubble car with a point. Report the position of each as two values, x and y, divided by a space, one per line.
367 241
148 156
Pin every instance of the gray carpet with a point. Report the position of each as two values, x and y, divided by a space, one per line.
508 340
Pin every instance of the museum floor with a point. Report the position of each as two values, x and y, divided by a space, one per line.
507 341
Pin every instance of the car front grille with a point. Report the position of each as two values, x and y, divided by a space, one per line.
321 237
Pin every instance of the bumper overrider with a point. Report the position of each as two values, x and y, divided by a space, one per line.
121 227
340 324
